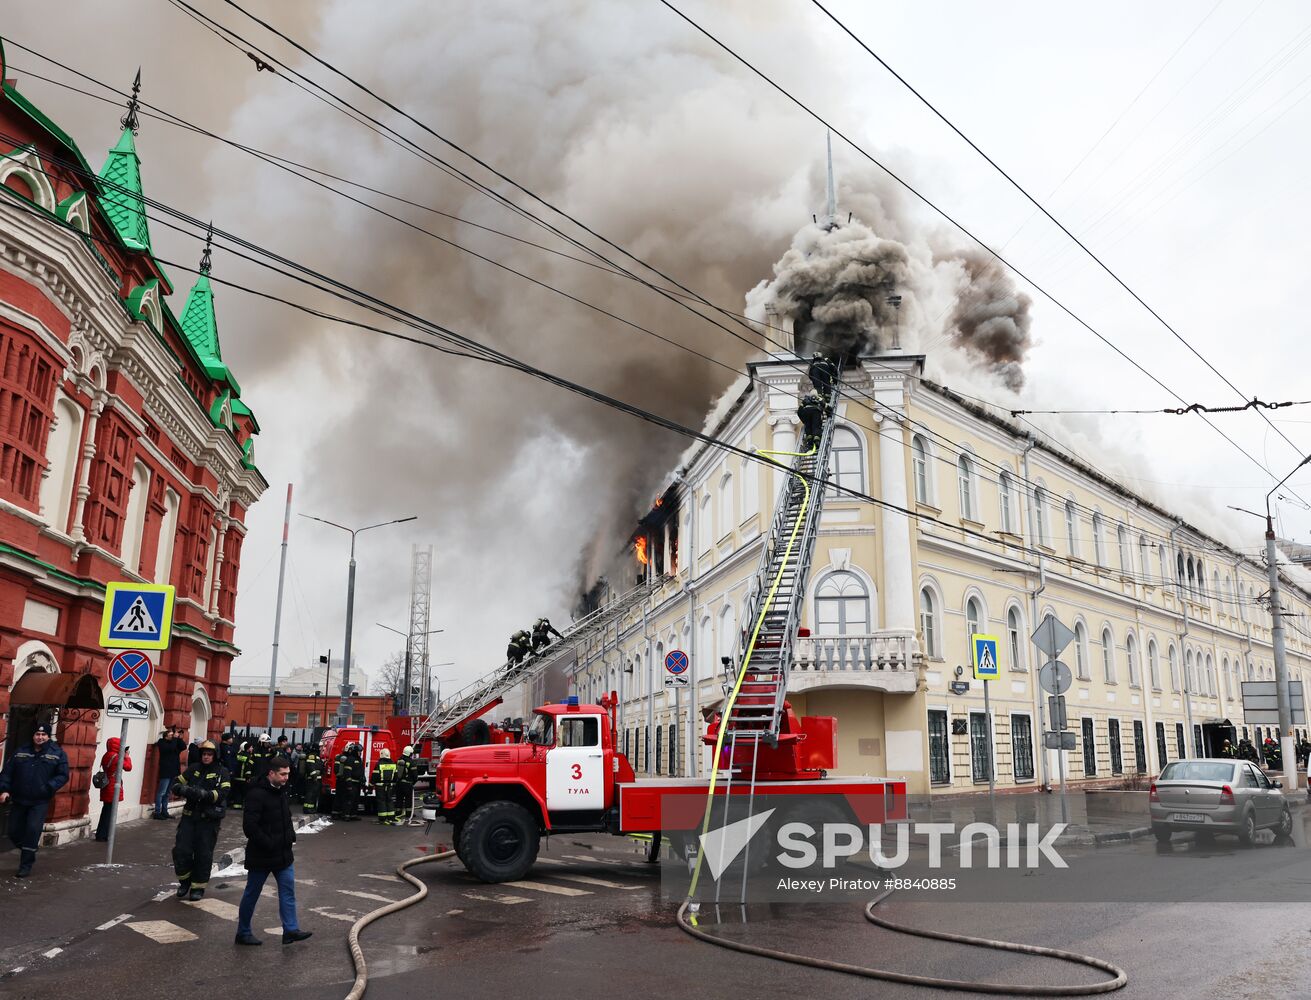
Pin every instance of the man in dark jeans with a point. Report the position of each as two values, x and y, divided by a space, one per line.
269 836
31 776
169 749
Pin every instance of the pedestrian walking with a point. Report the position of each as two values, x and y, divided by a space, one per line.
109 767
205 788
168 750
31 776
269 838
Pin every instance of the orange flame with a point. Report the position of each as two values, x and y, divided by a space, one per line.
640 547
660 501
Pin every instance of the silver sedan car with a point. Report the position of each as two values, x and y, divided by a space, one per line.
1207 797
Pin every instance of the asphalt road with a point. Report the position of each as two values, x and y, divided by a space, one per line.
590 920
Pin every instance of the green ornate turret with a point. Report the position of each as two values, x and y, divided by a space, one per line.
122 199
200 326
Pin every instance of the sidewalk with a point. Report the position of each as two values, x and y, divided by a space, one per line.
72 887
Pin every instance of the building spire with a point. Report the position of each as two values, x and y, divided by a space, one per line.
209 245
129 121
831 202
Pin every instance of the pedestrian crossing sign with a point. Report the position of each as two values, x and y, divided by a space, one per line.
984 649
137 616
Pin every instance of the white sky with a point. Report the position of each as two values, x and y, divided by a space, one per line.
1197 198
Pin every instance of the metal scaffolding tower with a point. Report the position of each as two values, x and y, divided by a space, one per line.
417 679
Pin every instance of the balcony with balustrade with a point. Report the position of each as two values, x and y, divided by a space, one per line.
888 660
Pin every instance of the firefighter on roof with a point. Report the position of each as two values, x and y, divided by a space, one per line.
542 632
205 786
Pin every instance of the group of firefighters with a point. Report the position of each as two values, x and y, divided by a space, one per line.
524 643
1270 750
393 784
815 406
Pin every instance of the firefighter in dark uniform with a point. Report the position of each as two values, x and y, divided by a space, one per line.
384 786
313 779
519 648
823 374
350 778
407 773
1227 750
262 757
542 633
1274 757
205 786
811 413
1246 751
241 777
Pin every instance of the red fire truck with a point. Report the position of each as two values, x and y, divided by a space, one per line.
372 742
568 775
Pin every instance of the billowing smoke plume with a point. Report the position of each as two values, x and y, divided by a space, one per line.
991 318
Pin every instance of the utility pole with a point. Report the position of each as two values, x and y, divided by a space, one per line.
344 706
277 613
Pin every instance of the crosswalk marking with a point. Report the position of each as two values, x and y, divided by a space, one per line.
331 914
547 861
220 909
117 920
588 880
52 952
161 931
499 898
366 895
558 890
380 878
596 860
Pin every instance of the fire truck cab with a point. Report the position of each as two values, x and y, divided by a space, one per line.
372 742
568 776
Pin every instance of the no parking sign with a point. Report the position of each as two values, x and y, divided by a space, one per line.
676 669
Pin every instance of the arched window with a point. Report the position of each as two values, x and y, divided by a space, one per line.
168 529
1215 585
1174 669
919 462
1071 528
1160 556
1210 676
929 623
706 640
728 637
1014 637
1131 658
750 489
1108 656
1229 684
1190 678
973 618
1040 514
1099 557
135 520
727 509
1142 559
965 481
208 594
705 526
1122 543
1081 650
1179 568
846 465
1006 499
1154 664
1192 576
63 452
842 605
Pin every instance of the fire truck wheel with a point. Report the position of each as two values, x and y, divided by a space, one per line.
499 842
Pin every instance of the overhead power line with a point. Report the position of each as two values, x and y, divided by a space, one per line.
1252 404
1055 221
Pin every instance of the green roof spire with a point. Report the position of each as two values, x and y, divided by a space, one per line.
198 321
122 200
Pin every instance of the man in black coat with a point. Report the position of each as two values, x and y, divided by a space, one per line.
168 749
205 787
31 776
269 836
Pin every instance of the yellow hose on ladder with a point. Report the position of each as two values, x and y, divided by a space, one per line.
746 660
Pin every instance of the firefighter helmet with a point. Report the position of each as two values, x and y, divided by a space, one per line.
265 738
208 745
384 754
408 752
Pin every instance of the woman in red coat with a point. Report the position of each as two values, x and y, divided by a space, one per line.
109 764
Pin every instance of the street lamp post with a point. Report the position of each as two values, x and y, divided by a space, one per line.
408 639
344 706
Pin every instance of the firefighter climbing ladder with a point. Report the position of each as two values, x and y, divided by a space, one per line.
754 696
469 701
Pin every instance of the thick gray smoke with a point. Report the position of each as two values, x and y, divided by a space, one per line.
991 318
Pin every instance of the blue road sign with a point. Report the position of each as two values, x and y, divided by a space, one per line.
130 671
984 650
137 616
676 662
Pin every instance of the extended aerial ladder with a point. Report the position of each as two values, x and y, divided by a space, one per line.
756 690
488 691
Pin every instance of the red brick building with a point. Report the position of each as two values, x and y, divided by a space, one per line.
303 711
126 453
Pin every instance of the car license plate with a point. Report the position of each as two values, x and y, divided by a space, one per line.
1189 818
